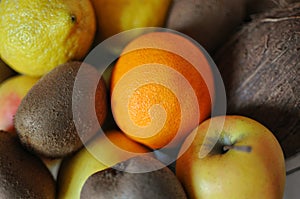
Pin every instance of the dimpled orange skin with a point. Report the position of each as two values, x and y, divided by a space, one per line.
149 49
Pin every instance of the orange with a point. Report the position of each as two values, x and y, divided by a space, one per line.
37 36
162 87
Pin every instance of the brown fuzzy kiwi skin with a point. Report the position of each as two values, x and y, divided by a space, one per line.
257 6
208 22
5 71
260 67
44 120
113 183
22 175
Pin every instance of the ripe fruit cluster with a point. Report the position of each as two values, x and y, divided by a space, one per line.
157 97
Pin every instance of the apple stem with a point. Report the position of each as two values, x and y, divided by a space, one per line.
247 149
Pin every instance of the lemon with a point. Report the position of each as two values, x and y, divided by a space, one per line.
37 36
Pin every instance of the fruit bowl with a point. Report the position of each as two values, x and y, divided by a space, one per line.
158 99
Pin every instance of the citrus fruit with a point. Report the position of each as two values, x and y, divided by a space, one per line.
12 91
36 36
119 15
161 87
76 169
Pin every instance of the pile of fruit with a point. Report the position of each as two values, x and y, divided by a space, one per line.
148 126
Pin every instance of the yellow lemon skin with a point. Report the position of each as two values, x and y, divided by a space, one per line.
37 36
119 15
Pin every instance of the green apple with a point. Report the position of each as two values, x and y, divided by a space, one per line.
76 169
246 161
12 91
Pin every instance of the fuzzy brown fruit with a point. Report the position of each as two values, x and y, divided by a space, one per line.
208 22
260 67
22 175
45 118
113 183
256 6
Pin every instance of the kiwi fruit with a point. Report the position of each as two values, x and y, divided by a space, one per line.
158 182
22 175
45 119
260 66
5 71
97 155
208 22
257 6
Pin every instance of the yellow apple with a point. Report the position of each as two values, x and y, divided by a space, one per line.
75 170
246 162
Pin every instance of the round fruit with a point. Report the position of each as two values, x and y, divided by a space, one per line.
12 91
208 22
45 119
260 67
256 6
22 175
113 183
246 161
76 169
117 16
37 36
162 87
